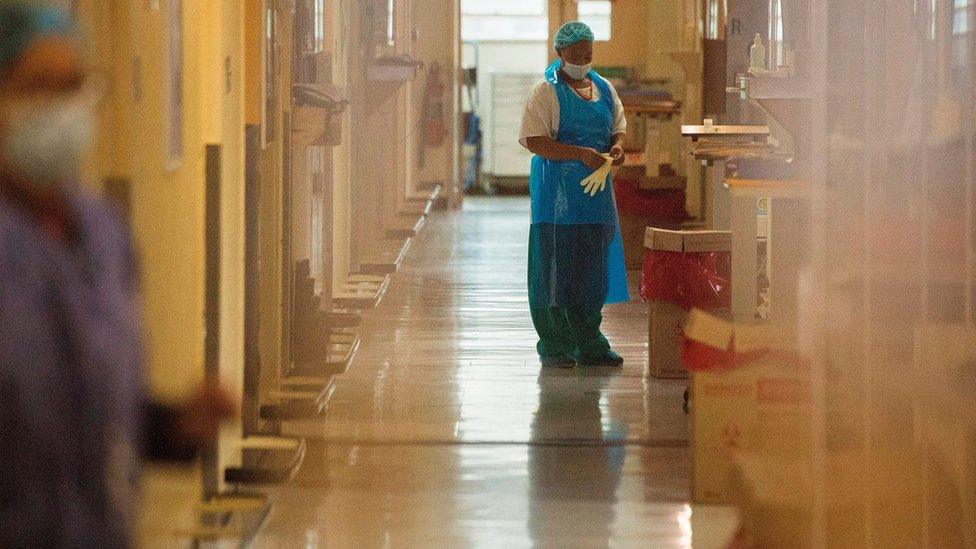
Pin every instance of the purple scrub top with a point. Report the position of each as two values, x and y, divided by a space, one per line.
71 390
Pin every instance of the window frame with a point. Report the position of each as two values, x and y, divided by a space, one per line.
609 18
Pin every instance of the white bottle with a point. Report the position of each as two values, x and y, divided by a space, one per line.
757 56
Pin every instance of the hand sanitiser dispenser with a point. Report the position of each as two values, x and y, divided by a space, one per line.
757 56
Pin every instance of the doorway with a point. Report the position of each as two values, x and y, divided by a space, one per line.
505 52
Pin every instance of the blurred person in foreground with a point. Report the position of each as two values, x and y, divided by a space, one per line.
75 421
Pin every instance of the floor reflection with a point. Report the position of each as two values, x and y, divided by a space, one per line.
444 433
585 468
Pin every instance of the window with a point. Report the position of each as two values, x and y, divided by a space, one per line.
310 21
596 14
485 20
774 49
715 20
503 7
963 35
390 22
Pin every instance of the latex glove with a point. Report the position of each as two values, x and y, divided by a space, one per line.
597 181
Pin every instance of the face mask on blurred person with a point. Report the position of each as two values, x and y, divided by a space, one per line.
577 72
44 142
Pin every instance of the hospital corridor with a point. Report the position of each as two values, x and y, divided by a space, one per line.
488 273
444 437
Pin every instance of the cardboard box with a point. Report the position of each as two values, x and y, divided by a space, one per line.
632 228
665 325
665 318
687 241
760 409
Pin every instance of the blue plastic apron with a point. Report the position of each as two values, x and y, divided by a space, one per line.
576 255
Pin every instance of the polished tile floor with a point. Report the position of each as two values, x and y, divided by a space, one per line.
447 433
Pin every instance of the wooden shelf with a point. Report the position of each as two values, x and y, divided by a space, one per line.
418 207
232 503
768 188
387 258
408 226
342 351
267 460
724 131
210 534
303 382
229 517
656 109
362 291
430 193
270 443
339 319
704 150
341 354
393 70
298 398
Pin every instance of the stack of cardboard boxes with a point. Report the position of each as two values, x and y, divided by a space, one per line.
666 316
753 403
755 406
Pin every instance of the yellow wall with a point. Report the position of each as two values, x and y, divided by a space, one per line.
341 155
167 204
627 46
628 31
168 201
168 211
271 252
224 125
270 219
377 169
375 111
98 20
434 21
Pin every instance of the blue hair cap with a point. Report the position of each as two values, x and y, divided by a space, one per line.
21 23
571 33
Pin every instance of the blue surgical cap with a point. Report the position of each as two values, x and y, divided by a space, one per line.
21 23
571 33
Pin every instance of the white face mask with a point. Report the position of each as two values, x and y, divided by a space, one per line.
577 72
44 144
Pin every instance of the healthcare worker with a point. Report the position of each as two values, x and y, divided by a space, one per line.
74 419
574 124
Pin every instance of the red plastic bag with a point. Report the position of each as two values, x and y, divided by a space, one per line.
689 280
663 204
698 357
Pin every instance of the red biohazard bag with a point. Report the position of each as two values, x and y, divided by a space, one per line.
688 279
711 343
662 204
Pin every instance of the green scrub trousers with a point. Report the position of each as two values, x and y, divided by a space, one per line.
570 331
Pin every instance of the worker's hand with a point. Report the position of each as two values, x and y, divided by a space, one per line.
201 415
591 158
617 153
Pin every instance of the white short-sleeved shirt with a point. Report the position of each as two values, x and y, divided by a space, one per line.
541 116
